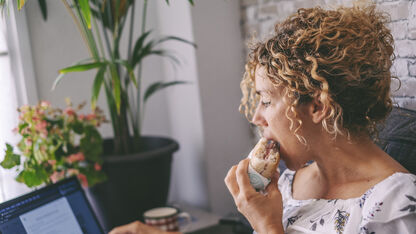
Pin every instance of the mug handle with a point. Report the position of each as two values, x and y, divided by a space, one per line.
188 219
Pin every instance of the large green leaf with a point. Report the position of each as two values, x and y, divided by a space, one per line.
165 53
10 159
85 11
158 86
82 67
147 50
93 176
98 82
43 9
116 86
78 127
32 177
129 69
138 46
190 1
169 38
78 67
143 52
61 75
91 144
112 106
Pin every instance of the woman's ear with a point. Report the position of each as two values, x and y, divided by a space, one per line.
317 110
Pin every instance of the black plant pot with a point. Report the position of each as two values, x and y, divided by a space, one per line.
136 182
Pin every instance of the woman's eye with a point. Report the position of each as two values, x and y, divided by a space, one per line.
265 103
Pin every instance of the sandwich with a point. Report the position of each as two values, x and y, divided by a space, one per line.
264 158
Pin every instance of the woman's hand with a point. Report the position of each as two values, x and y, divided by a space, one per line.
138 227
264 212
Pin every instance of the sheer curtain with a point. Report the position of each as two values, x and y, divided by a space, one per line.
9 188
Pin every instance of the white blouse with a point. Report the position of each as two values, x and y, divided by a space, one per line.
388 207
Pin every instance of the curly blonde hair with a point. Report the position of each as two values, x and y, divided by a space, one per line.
342 57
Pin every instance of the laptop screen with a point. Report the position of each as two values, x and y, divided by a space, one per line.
57 208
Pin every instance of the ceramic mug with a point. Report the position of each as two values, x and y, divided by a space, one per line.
166 218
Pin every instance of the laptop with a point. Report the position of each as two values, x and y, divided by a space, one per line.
59 209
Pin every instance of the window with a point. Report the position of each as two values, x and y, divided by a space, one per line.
16 77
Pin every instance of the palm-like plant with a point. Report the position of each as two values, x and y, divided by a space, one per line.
102 24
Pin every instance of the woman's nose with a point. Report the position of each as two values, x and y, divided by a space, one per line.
258 118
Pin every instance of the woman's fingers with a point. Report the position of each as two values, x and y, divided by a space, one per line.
273 187
138 227
231 182
242 178
132 228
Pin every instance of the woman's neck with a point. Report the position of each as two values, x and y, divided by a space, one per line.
344 162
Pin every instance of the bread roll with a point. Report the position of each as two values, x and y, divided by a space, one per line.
265 157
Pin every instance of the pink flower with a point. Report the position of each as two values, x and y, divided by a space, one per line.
91 116
39 112
15 130
41 127
69 111
83 180
56 176
75 157
81 117
97 167
52 162
35 118
28 142
45 104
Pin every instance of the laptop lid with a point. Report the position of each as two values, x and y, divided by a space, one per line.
58 208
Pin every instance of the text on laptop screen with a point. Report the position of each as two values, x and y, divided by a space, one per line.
59 208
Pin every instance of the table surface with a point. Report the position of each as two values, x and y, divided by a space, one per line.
200 218
204 222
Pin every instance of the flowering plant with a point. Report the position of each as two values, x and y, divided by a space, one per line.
102 24
57 144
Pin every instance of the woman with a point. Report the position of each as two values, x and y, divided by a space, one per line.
318 87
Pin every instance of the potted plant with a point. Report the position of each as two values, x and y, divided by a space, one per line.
138 167
57 144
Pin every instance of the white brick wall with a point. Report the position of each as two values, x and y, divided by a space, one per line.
259 17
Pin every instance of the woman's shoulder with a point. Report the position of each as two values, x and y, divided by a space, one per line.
392 198
396 183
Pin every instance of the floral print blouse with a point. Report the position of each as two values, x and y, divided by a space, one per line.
388 207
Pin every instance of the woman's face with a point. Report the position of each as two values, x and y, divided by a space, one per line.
270 116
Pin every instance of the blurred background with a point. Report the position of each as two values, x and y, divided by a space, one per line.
203 115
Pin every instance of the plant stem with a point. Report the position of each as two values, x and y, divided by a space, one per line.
139 75
113 111
129 58
107 43
144 16
84 37
131 30
88 33
97 32
109 14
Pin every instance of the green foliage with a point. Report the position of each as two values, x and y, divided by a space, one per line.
102 24
57 144
158 86
43 9
10 159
